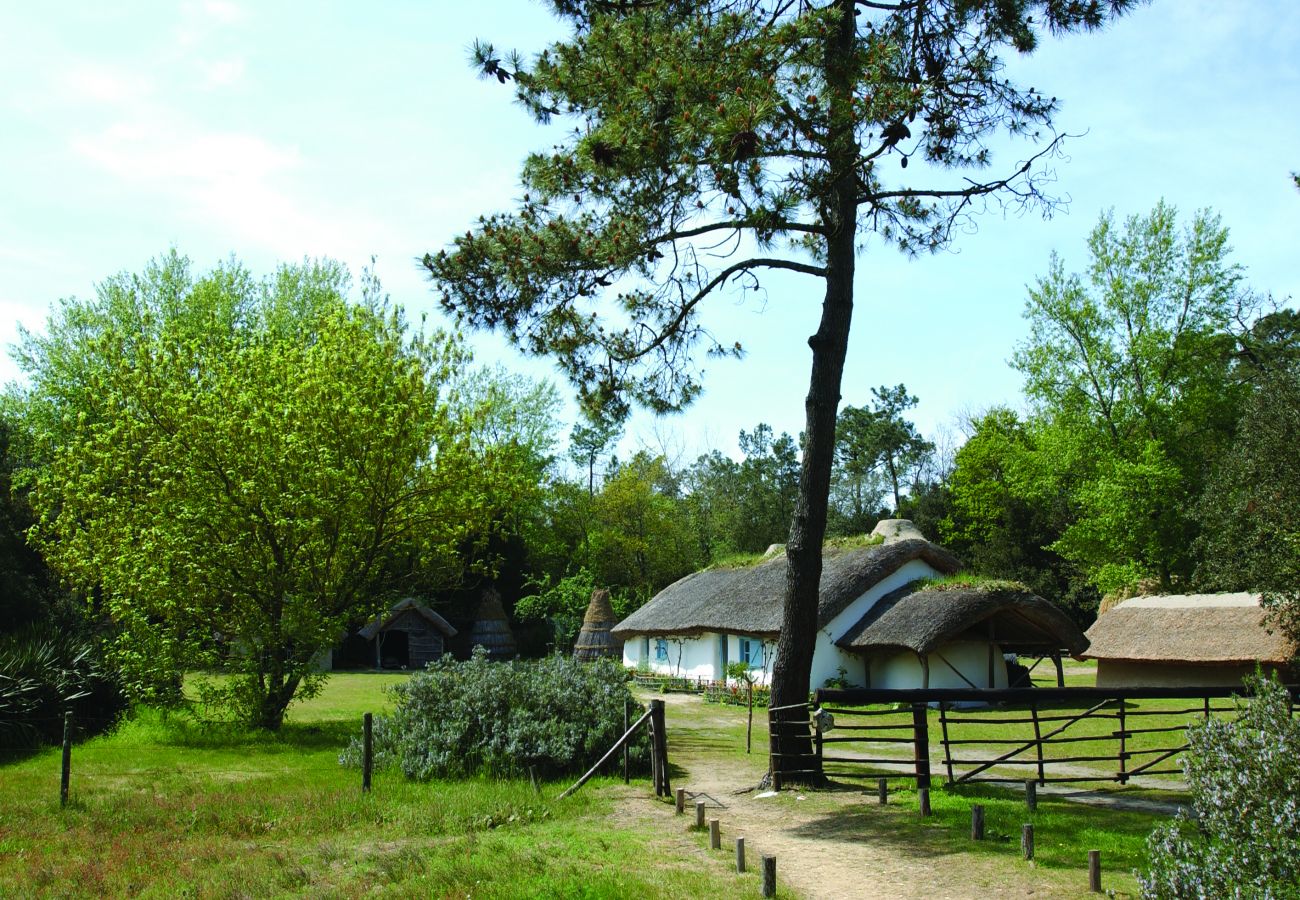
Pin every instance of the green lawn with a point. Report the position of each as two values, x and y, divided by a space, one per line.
164 807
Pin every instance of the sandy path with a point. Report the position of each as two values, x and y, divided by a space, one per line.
820 846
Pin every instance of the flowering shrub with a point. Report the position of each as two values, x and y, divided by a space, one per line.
556 715
1245 780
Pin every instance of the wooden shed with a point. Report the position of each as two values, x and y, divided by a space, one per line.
410 636
594 640
491 628
1186 640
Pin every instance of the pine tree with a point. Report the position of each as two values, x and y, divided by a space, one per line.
718 140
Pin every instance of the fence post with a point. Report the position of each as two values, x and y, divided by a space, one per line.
663 787
977 822
367 750
65 774
627 763
681 801
1027 840
1123 744
1094 871
923 800
715 834
947 748
769 876
882 790
921 744
699 814
1038 740
1031 795
740 855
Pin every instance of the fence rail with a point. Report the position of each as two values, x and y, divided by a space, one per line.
1061 735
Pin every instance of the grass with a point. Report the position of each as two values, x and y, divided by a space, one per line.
164 807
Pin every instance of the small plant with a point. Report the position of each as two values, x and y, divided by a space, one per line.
841 680
741 672
1243 838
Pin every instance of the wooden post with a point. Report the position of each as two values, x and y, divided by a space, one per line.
882 790
715 834
769 876
1027 840
977 822
65 777
1031 795
699 814
1038 741
367 750
681 801
921 744
664 787
1123 745
627 759
618 745
923 800
740 855
1094 871
532 776
1060 670
947 748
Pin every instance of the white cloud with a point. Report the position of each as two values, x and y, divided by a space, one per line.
102 84
157 150
222 73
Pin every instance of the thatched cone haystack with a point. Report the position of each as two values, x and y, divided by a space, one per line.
491 629
594 640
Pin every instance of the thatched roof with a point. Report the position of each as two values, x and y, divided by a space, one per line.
1206 629
922 620
400 608
491 629
594 640
749 600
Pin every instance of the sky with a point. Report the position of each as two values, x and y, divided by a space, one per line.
277 131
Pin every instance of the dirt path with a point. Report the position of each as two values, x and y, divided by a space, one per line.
821 846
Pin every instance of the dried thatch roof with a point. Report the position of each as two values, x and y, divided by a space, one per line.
922 620
748 600
594 640
379 623
1206 629
491 629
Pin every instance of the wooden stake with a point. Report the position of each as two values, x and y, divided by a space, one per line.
627 759
681 801
1027 840
367 750
769 876
977 822
699 814
1094 871
65 777
1031 795
740 855
715 834
923 800
882 790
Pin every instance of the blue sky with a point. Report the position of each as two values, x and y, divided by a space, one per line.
275 131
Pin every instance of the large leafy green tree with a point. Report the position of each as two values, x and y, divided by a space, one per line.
237 468
1129 366
878 440
715 141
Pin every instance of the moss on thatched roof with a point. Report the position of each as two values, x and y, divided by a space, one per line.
1206 629
749 600
922 618
409 604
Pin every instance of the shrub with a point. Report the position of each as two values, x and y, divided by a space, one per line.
556 715
1244 839
44 673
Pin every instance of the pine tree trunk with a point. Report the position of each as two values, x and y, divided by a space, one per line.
792 672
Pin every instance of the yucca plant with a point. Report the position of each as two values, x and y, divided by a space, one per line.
43 673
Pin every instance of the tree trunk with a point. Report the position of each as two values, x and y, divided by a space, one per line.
792 672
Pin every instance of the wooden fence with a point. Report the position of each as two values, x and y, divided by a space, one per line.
1046 734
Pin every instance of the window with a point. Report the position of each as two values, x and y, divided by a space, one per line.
661 650
751 652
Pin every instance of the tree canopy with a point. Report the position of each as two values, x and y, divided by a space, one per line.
714 141
236 468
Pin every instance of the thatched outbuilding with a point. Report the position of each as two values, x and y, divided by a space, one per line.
1189 640
594 639
409 636
959 630
491 628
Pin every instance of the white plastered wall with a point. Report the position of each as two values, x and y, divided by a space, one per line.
971 658
701 656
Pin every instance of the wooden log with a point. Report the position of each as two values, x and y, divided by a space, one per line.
65 772
923 800
664 787
715 834
618 745
882 790
1094 871
1027 840
769 876
681 801
740 855
627 759
977 822
699 814
367 750
1031 796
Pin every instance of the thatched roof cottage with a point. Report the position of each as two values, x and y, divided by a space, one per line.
1190 640
872 621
